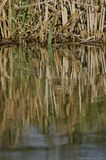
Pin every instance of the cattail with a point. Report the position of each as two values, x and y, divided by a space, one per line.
104 3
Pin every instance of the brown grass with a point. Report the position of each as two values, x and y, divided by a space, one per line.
58 21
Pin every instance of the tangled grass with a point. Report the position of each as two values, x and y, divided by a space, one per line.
53 21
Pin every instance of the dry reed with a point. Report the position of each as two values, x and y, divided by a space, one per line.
53 21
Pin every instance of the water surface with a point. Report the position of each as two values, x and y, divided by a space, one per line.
53 103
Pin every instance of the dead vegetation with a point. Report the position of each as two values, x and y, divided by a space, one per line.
53 21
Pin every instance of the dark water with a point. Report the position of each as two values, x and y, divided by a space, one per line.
53 107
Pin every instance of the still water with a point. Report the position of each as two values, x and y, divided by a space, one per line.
53 103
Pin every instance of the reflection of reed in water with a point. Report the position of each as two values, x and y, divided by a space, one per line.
34 91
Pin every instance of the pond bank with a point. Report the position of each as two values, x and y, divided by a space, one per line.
8 41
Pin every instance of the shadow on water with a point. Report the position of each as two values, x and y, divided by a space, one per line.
52 111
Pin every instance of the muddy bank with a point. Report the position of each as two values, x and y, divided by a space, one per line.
31 41
7 41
